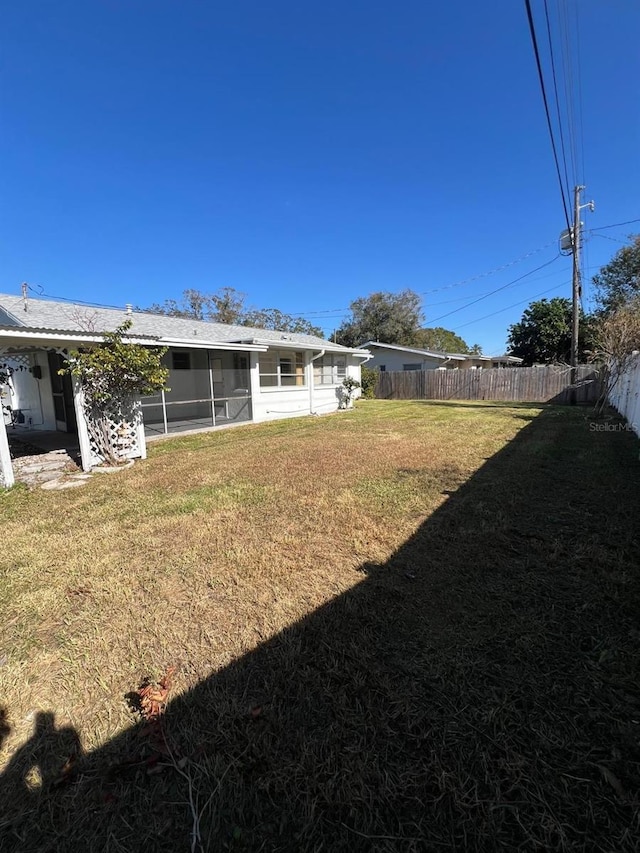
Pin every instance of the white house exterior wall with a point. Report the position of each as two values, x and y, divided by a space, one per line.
31 396
274 403
396 360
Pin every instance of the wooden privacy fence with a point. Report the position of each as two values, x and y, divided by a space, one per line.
511 384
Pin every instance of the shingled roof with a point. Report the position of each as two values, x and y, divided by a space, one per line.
49 315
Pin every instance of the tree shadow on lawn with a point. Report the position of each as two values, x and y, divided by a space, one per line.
479 691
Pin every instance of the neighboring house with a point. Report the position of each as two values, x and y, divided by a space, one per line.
218 374
492 361
394 357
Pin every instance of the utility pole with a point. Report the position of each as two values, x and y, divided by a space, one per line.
576 289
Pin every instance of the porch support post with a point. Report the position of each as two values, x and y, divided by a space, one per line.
211 390
164 412
7 478
141 438
86 455
254 382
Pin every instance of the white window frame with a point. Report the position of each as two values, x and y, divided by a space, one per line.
329 370
281 378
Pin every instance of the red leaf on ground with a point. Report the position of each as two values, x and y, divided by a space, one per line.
153 697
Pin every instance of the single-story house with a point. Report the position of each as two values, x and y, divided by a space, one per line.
218 374
394 357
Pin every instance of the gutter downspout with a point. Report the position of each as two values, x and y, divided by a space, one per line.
311 360
365 359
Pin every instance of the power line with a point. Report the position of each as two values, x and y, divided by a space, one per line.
567 63
555 90
509 307
615 225
497 290
446 286
491 272
615 239
534 41
40 291
580 101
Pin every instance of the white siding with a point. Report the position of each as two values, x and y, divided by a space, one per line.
31 396
393 360
274 403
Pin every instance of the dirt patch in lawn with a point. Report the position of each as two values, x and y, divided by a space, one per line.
428 643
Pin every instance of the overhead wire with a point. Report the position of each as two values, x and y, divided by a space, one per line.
615 225
567 63
555 90
509 307
536 51
463 281
496 290
580 101
40 291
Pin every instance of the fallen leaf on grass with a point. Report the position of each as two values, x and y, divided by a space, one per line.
153 697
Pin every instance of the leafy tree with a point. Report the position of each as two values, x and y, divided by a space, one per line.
393 318
543 335
113 374
443 340
272 318
227 305
619 280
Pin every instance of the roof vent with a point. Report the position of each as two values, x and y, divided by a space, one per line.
25 294
129 308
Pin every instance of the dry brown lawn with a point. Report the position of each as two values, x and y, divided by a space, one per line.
413 626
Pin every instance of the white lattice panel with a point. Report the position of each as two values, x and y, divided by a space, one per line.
123 433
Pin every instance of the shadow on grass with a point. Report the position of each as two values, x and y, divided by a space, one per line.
479 691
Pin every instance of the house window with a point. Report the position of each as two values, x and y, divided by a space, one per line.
282 368
411 367
329 370
383 367
181 360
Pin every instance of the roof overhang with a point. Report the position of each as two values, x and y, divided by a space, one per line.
25 336
425 353
217 345
22 336
286 343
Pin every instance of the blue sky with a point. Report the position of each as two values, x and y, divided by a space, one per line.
305 154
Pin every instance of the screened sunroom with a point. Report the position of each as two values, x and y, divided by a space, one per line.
207 388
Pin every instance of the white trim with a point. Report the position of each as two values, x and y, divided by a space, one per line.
5 456
254 383
42 337
199 344
274 343
86 456
312 383
140 436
